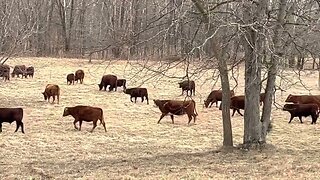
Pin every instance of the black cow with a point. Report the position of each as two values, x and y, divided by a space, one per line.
137 92
299 110
12 114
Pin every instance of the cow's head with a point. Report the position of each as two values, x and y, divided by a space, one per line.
206 103
289 107
291 98
100 86
180 84
45 95
66 111
231 93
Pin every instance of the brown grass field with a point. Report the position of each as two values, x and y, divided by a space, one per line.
135 146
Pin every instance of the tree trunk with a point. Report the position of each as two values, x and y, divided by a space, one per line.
253 57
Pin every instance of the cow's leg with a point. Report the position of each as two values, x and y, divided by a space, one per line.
58 98
234 111
216 104
131 98
190 118
162 115
80 124
54 98
17 126
172 118
300 118
142 98
291 119
22 127
94 125
74 124
0 127
182 92
135 99
194 118
238 110
104 125
147 99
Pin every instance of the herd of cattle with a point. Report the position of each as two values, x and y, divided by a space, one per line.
302 105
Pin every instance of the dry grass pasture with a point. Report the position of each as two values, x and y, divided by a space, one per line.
135 146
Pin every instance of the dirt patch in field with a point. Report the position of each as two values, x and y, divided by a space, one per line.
135 146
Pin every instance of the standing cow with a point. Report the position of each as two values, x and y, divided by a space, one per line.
5 72
108 80
70 79
51 90
188 86
87 114
12 114
137 92
214 97
19 69
79 75
173 107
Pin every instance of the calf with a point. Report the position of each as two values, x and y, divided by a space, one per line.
299 110
108 80
19 69
5 72
173 107
121 82
87 114
188 86
214 97
137 92
79 75
51 90
304 99
70 79
12 114
30 72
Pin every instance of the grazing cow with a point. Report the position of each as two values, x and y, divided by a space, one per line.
214 97
87 114
187 86
70 78
30 72
173 107
79 75
137 92
51 90
5 72
19 69
108 80
304 99
121 82
12 114
299 110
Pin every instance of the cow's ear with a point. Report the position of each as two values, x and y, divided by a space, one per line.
66 109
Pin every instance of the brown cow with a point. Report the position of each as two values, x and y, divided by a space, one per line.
5 72
30 71
299 110
173 107
187 86
137 92
87 114
19 69
108 80
214 97
70 79
12 114
79 75
121 82
51 90
304 99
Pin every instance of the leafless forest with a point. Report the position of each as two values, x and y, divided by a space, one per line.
251 46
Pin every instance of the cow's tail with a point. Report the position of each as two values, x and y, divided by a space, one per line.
102 118
195 110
